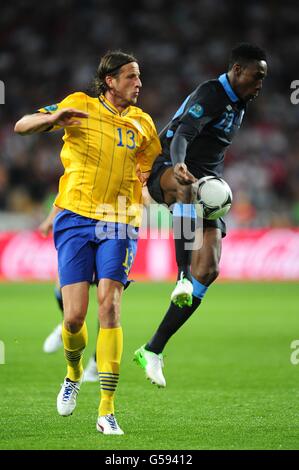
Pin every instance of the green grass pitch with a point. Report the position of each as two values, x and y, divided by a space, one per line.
230 382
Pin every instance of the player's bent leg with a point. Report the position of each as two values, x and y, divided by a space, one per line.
169 186
74 335
184 221
205 263
109 352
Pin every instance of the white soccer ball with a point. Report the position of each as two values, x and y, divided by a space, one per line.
213 195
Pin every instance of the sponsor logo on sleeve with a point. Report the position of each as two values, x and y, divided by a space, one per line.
196 110
51 108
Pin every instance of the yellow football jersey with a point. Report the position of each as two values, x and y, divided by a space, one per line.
100 158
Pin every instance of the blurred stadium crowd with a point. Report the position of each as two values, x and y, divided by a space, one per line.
53 49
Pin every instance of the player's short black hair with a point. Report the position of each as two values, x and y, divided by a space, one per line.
244 53
110 64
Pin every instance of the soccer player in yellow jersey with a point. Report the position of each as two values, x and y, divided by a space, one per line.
105 139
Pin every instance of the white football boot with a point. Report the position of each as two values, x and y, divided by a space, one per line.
54 341
108 425
66 399
182 294
152 363
91 372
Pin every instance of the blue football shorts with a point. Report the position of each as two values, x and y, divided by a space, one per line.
89 249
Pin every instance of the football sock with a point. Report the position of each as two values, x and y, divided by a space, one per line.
58 295
95 353
74 345
109 352
174 318
184 221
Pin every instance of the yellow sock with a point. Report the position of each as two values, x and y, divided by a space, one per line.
109 352
74 345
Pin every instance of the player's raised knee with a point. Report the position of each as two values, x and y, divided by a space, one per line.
206 276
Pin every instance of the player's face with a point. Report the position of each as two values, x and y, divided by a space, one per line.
127 84
250 79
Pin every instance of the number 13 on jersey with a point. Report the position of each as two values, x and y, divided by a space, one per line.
129 258
126 138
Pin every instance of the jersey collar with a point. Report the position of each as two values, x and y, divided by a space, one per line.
108 105
223 79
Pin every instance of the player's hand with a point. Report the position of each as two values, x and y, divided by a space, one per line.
45 227
143 176
182 175
67 117
146 197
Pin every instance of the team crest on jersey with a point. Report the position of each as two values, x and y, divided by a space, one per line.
52 107
196 110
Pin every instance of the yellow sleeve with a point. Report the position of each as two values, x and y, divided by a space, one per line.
150 149
75 100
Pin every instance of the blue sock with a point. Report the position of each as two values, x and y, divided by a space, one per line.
199 289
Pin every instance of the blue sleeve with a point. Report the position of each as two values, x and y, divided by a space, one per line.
202 108
178 147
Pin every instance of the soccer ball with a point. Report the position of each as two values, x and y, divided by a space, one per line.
213 197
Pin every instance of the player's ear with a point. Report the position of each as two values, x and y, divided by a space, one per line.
237 68
109 80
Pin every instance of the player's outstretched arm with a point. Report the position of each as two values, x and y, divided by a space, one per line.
39 122
178 149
